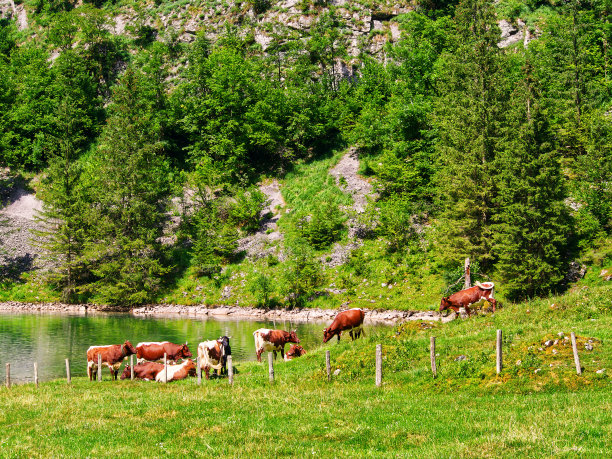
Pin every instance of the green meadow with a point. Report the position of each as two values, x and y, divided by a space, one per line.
536 407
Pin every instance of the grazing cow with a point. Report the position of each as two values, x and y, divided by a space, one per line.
146 371
213 354
351 320
112 356
294 351
273 340
469 296
154 352
177 372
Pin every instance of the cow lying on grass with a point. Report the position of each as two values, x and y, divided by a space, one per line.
177 372
147 371
294 351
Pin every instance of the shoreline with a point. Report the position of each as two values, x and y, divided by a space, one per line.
223 312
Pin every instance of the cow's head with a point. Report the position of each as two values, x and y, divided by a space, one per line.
126 372
185 352
295 351
190 367
446 304
224 341
327 334
293 337
129 349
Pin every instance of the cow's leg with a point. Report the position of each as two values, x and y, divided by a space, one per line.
339 335
89 370
207 370
467 310
259 352
274 352
493 302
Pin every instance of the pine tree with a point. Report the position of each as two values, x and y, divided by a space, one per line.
64 210
130 192
533 225
467 115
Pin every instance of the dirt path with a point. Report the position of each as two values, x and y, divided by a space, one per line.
265 240
357 186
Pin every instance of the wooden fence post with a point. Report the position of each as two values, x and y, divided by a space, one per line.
499 364
165 367
576 358
199 371
68 371
36 374
230 370
378 365
468 278
132 367
271 366
328 365
99 367
432 355
8 375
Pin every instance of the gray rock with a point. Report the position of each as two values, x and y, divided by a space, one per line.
460 358
561 334
549 343
537 370
337 372
600 372
588 346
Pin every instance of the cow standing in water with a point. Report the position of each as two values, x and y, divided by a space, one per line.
469 296
351 320
273 340
112 356
154 352
213 354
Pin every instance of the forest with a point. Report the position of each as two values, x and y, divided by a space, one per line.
149 151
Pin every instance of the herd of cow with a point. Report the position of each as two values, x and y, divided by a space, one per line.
212 354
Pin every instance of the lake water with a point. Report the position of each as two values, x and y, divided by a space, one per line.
49 339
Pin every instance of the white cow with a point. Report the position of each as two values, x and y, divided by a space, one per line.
176 372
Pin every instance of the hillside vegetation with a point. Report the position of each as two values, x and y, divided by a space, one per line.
536 407
158 133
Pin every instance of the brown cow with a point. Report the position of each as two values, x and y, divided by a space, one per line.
213 354
112 356
273 340
351 320
146 370
177 372
294 351
469 296
155 351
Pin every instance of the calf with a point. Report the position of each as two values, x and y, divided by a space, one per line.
213 354
294 351
177 372
273 340
155 351
469 296
147 371
112 356
351 320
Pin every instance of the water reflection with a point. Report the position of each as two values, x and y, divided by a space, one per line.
50 338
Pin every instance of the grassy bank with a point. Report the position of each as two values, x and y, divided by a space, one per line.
537 407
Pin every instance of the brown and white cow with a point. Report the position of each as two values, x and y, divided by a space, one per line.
177 372
213 354
469 296
146 371
154 352
294 351
351 320
273 340
112 356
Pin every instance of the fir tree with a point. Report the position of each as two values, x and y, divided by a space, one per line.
467 115
533 226
130 193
